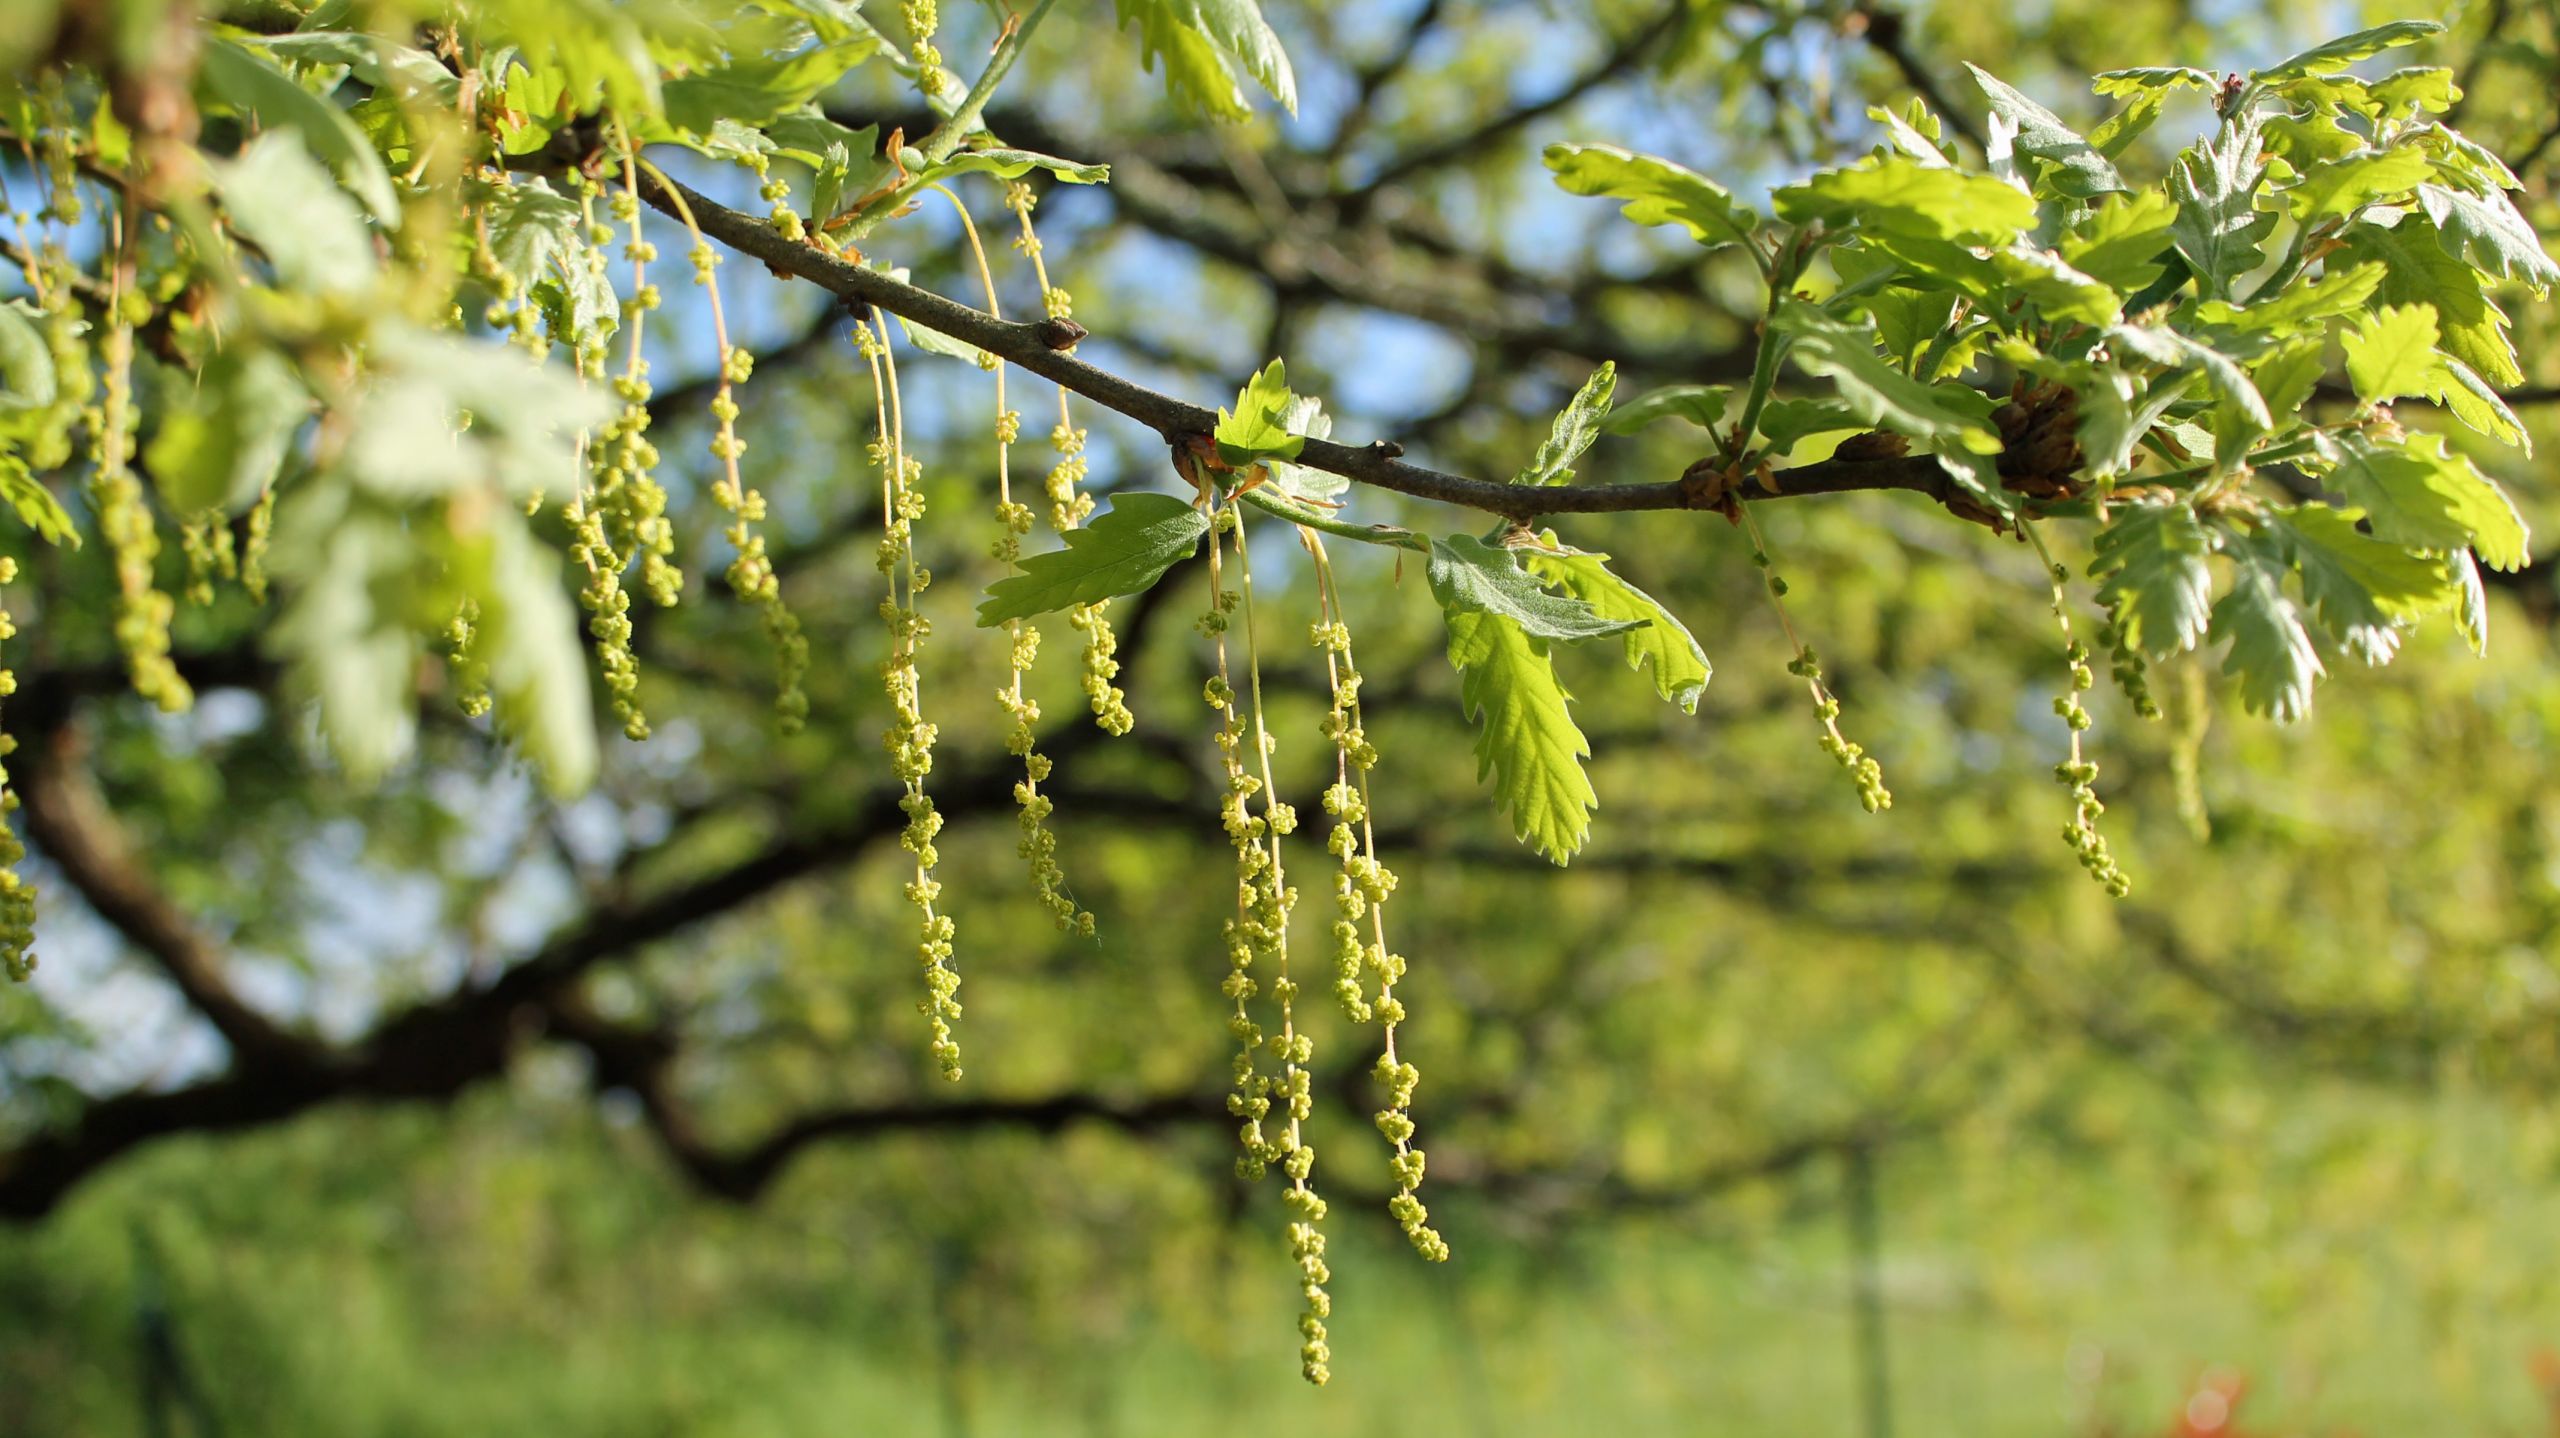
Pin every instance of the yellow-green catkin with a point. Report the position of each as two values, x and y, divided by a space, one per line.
1038 845
67 331
2132 673
775 191
751 576
923 17
124 513
621 513
1862 768
1261 929
1360 895
2078 773
1249 1102
261 526
1069 506
910 737
462 649
207 544
17 896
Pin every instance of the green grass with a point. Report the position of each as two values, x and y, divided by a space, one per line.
415 1275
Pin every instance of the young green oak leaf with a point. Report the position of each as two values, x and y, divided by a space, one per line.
1259 428
2219 223
2120 243
2271 653
1901 196
1786 423
2415 492
2073 168
2302 308
1700 404
1879 394
1124 550
2287 375
2311 141
257 89
2363 591
755 90
2335 192
2338 54
2420 267
34 504
2151 80
2487 230
1573 430
1467 573
1014 164
2472 401
1680 668
1653 192
2151 574
1207 47
1526 740
1304 416
1915 134
2392 352
2115 134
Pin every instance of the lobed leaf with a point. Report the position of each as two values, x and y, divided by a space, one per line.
2338 54
1125 549
2363 591
2421 267
1888 192
754 90
2490 232
287 205
1652 191
2219 224
1680 668
1881 396
1526 740
2072 167
2121 241
1007 164
1700 404
1468 574
1304 415
2417 493
2301 307
1573 431
1208 48
2392 352
2270 652
2337 191
1258 429
2151 573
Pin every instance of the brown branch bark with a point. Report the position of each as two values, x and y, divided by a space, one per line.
70 823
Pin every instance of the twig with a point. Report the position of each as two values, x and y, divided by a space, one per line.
1038 348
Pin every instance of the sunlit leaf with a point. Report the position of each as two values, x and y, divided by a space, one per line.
1680 668
1652 192
1526 740
1573 431
1468 574
1125 549
2150 564
2270 651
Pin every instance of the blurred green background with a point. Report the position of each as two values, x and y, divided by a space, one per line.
1766 1116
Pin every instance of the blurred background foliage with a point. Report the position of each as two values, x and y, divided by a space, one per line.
2275 1131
